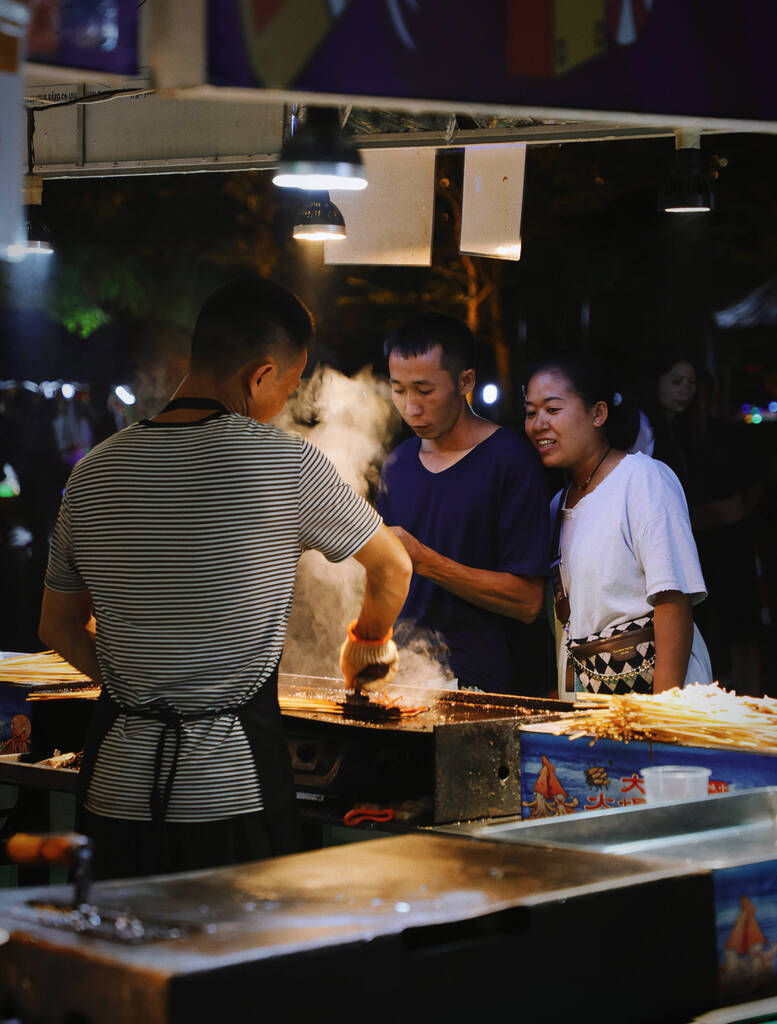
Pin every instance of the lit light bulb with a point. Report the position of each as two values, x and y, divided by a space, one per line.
489 394
320 182
125 394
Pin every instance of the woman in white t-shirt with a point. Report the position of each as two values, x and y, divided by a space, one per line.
626 546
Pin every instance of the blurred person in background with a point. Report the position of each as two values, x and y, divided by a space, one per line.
724 488
668 393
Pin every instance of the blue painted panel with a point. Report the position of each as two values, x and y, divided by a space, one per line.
563 776
14 719
746 919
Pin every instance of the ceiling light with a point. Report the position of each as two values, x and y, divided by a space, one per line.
319 221
687 189
38 238
319 157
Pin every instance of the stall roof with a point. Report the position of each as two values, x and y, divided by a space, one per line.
183 92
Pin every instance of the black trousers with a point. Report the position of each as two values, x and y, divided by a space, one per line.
130 849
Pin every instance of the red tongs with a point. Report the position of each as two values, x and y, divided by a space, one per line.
360 814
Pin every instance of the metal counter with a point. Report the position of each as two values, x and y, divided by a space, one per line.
403 927
716 832
733 835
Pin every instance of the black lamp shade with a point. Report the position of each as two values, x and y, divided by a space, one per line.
38 235
319 156
319 221
687 189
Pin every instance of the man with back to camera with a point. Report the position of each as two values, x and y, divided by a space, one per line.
468 499
181 534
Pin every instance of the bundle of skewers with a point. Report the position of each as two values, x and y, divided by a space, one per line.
45 668
53 678
350 705
706 716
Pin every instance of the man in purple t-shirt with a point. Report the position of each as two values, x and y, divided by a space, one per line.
468 499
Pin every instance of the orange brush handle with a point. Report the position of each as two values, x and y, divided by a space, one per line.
41 850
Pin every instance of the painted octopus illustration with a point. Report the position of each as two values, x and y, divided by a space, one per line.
550 798
748 959
20 736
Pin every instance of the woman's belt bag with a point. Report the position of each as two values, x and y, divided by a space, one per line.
620 659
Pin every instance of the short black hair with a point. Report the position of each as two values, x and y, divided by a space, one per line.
420 334
247 319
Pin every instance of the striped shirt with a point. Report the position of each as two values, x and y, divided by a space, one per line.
187 538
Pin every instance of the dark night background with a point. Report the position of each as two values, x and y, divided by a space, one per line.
601 270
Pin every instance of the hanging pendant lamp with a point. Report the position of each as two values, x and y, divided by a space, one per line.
319 221
319 157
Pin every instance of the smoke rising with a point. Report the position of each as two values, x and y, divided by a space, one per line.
353 421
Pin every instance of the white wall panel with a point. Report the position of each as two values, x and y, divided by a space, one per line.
390 222
493 200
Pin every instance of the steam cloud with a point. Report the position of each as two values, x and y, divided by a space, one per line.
352 420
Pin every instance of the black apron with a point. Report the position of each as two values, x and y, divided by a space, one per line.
259 716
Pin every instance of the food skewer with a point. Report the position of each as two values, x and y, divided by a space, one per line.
695 716
58 679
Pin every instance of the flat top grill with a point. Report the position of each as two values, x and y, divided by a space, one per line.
443 707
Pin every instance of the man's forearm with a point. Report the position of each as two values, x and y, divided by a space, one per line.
673 625
388 571
517 597
383 600
76 645
67 627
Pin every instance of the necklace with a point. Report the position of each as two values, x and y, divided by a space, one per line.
582 487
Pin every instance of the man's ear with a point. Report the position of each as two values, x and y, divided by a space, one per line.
466 381
257 373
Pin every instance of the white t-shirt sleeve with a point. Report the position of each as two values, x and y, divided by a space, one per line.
645 441
663 540
333 518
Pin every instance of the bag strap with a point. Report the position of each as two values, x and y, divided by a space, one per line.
556 517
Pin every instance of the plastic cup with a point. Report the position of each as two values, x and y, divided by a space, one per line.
675 782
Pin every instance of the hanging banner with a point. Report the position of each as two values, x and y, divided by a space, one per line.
700 58
390 222
13 25
492 201
97 35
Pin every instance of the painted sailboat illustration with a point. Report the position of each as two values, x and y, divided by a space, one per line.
748 958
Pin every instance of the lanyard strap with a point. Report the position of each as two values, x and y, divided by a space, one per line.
186 402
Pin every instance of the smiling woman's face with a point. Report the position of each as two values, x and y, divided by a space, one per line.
558 423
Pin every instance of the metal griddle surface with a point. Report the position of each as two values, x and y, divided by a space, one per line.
324 898
720 831
445 707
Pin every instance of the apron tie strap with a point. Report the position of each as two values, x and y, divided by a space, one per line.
172 721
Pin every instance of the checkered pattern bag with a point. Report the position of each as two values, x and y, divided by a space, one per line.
620 659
